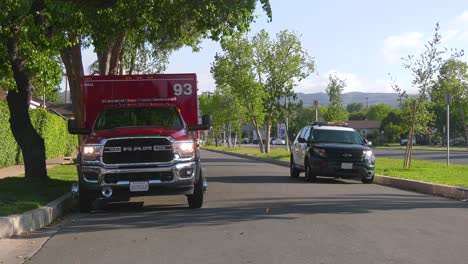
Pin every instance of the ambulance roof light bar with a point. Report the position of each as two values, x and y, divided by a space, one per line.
139 100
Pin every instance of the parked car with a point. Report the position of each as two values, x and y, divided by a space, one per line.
331 150
246 141
278 141
404 141
255 141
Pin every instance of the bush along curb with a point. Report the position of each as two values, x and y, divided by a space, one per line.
451 192
33 220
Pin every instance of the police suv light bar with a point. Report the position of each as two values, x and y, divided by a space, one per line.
325 123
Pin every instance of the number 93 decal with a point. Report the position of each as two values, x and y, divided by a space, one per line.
182 89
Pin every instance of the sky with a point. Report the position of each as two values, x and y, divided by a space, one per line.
361 41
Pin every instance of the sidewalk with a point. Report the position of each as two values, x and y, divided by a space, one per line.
19 169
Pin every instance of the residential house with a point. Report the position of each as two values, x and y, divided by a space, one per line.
367 128
65 111
33 104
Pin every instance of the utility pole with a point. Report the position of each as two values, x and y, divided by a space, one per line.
448 100
287 123
316 104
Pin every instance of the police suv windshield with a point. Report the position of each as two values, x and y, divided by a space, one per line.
138 117
337 136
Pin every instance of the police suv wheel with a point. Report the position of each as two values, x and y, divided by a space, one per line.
84 204
367 181
293 171
309 175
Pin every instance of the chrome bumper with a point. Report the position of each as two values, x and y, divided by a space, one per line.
176 170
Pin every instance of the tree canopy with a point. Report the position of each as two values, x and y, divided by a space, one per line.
262 70
335 110
378 111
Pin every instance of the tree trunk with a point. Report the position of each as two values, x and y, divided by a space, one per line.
409 147
267 135
116 54
229 138
104 57
71 58
259 135
27 138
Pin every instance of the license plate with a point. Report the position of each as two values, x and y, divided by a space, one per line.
139 186
346 166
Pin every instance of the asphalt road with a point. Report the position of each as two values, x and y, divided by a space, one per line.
255 214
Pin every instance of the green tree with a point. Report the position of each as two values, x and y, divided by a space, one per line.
27 63
378 111
34 33
233 70
415 114
335 110
392 125
262 70
453 80
300 116
279 63
361 115
153 28
227 113
355 107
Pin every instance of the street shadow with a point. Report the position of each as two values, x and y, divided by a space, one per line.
134 215
256 179
207 161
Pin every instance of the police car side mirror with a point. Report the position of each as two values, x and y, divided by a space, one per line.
301 140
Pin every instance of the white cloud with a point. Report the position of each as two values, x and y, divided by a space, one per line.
463 17
397 46
464 36
449 35
461 23
318 84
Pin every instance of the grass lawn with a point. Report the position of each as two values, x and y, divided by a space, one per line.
18 194
426 171
418 147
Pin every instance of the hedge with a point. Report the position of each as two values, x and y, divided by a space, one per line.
52 128
9 151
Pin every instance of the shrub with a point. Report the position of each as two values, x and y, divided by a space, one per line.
9 149
52 128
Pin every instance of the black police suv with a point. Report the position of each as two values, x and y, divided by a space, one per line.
332 150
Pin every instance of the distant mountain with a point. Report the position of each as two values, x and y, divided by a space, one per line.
353 97
348 98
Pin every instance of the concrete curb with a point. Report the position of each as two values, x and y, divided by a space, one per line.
29 221
451 192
